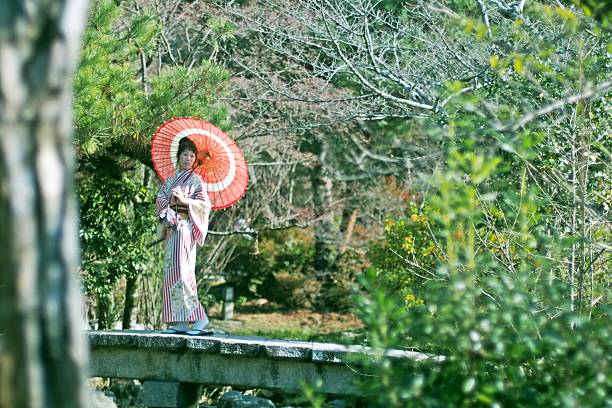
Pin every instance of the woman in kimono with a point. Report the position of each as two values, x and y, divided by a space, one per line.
183 207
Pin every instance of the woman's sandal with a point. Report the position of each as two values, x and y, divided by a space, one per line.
173 331
198 332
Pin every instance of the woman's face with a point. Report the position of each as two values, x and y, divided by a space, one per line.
186 159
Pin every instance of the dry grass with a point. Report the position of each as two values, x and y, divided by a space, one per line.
301 324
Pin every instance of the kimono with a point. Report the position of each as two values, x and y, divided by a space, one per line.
180 293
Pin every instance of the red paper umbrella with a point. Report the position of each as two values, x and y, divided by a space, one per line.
220 162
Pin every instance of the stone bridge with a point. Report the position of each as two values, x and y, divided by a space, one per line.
238 361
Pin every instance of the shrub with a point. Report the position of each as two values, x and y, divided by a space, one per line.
507 329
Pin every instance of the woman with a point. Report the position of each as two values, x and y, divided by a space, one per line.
183 208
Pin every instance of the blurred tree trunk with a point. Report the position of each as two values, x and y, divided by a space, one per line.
44 344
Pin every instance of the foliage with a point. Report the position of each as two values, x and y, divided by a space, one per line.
109 101
348 268
278 270
191 92
598 9
519 226
507 339
407 255
502 269
502 347
117 229
116 106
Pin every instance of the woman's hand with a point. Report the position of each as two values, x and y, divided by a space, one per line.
178 195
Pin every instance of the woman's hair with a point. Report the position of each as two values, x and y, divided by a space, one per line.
186 144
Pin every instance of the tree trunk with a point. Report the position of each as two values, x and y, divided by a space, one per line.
326 239
131 283
104 309
130 295
325 234
573 256
349 218
44 344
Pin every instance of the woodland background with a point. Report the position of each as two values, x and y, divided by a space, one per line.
441 169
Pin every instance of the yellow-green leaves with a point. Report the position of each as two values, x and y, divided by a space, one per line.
519 67
476 166
475 27
493 61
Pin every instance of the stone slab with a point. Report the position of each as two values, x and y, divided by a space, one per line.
240 361
281 349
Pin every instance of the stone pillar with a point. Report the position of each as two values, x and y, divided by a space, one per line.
228 303
159 394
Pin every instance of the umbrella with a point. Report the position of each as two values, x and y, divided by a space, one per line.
220 162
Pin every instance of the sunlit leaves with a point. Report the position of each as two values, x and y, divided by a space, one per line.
503 310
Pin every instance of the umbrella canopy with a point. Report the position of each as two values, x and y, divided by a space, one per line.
219 161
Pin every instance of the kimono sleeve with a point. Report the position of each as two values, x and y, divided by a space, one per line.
199 212
162 202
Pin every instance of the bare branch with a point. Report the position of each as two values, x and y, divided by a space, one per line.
485 16
589 92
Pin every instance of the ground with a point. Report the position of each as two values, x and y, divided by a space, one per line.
302 324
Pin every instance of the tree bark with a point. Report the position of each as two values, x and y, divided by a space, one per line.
326 239
349 218
104 309
325 231
131 283
45 350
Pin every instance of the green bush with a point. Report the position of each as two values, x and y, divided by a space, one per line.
280 269
506 329
117 232
503 346
406 257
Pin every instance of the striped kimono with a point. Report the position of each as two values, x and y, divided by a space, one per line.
180 294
